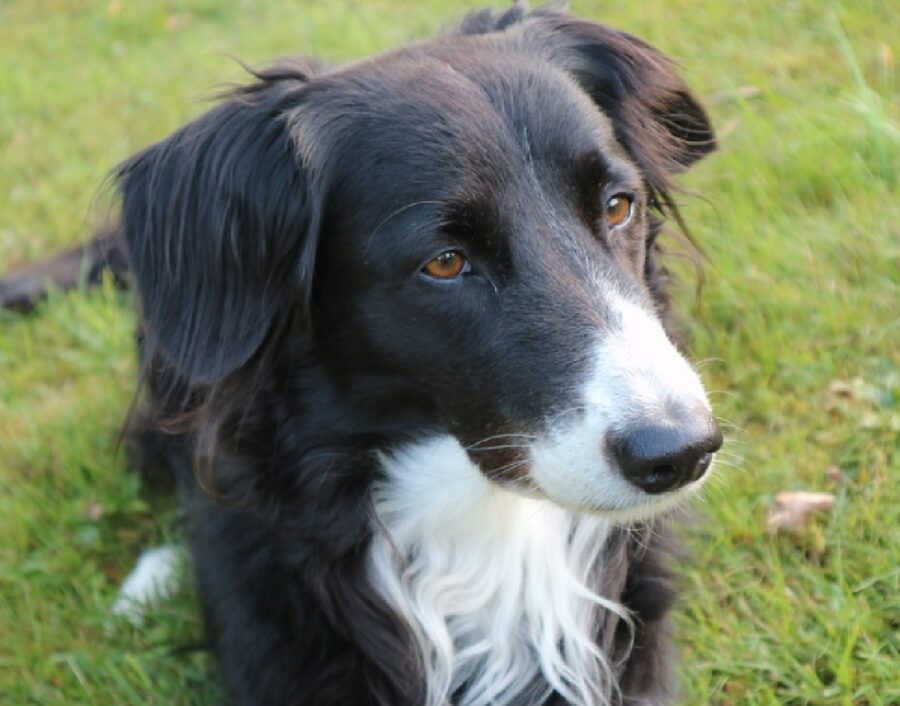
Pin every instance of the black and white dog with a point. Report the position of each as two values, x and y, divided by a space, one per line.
410 360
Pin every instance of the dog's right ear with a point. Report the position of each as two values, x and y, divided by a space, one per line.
220 224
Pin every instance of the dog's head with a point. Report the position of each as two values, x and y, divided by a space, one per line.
459 232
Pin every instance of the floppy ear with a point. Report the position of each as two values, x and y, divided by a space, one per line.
219 223
655 117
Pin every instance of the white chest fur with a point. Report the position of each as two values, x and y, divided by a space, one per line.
492 584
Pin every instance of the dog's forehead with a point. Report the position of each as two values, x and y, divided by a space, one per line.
461 117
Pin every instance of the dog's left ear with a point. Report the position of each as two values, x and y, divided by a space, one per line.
655 116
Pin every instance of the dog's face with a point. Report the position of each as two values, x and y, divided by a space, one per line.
464 227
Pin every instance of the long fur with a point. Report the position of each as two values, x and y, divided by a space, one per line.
397 490
496 587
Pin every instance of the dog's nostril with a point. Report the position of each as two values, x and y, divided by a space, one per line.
659 478
660 458
703 465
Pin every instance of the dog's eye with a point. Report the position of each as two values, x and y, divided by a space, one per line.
618 210
447 265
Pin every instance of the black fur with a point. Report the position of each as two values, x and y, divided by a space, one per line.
284 342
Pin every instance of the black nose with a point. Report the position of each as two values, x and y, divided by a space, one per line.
657 458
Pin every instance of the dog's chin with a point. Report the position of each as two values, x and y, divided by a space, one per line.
654 507
627 507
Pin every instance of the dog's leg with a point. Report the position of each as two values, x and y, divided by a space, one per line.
274 644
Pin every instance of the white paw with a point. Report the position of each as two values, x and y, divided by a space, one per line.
155 577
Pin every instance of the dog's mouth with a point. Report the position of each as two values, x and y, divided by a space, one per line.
622 507
618 500
627 478
642 439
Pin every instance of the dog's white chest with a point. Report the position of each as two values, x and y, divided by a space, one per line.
492 585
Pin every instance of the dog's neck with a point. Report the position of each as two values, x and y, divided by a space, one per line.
495 587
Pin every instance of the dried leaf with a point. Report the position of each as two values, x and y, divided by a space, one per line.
841 389
792 510
835 474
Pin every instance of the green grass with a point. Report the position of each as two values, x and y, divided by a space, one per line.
799 326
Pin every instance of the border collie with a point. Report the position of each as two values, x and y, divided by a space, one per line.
409 359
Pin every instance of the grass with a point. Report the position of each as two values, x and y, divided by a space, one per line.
799 328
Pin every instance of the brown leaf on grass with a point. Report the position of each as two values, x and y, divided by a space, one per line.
834 474
841 389
792 509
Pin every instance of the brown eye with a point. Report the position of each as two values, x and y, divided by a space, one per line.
447 265
618 210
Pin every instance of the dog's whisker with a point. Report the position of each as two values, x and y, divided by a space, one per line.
722 393
507 435
723 421
729 454
699 364
494 472
497 448
576 409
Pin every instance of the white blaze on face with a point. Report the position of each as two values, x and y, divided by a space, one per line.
638 377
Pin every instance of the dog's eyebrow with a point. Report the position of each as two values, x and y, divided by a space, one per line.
394 214
592 173
595 167
591 166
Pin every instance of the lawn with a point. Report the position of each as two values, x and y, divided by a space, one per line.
798 331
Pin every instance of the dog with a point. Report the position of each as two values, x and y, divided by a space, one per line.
410 360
